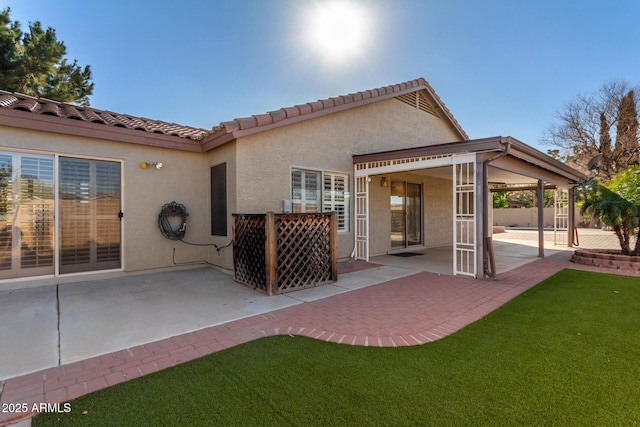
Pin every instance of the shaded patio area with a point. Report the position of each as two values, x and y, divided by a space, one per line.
509 253
512 248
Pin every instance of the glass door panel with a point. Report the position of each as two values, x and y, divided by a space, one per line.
414 214
398 214
7 219
26 215
406 214
89 215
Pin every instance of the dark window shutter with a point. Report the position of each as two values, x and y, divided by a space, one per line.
219 200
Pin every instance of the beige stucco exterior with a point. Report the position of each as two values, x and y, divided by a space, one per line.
327 143
184 178
258 177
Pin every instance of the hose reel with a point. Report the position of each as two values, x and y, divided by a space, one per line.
172 211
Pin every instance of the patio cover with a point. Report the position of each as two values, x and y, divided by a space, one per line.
502 162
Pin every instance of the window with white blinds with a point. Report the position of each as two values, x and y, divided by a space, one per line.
37 208
316 191
26 214
305 191
6 212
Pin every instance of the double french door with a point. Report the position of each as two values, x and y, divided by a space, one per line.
87 203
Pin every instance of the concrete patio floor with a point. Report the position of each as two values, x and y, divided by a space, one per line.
56 325
64 341
509 254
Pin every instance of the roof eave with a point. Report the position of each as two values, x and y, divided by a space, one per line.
46 123
529 154
454 147
516 149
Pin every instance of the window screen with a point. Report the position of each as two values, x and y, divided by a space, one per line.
219 200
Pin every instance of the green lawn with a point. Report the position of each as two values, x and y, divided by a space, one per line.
566 352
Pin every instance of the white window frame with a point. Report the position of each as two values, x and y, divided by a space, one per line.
335 198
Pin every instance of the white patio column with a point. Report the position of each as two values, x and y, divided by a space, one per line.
361 234
481 208
466 210
572 216
540 197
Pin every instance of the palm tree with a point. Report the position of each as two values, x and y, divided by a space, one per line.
614 211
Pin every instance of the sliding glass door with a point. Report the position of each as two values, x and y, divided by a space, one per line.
89 194
406 214
89 215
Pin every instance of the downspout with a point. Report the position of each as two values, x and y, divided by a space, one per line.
488 258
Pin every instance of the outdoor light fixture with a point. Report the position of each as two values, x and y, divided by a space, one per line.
145 165
384 182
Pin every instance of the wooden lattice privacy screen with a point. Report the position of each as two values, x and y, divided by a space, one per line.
284 252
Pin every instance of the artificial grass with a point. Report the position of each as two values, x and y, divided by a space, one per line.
567 352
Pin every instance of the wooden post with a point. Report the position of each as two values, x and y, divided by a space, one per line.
270 253
234 219
334 245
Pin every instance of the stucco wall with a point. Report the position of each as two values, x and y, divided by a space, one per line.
526 217
224 154
327 143
184 178
438 200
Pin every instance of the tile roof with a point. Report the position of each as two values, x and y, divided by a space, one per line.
248 125
225 131
16 101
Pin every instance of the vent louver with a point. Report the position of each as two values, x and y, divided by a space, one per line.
419 101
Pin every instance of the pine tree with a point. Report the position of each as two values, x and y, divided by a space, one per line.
626 148
605 144
34 63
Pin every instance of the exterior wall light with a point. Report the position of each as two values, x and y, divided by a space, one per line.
145 165
384 182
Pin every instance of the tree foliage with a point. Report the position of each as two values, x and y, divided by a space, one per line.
625 152
617 204
500 201
34 63
587 125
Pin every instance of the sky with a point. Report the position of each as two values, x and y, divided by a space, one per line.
502 67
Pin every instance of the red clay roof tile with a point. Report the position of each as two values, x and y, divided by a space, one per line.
291 111
16 101
247 122
263 119
305 109
278 115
